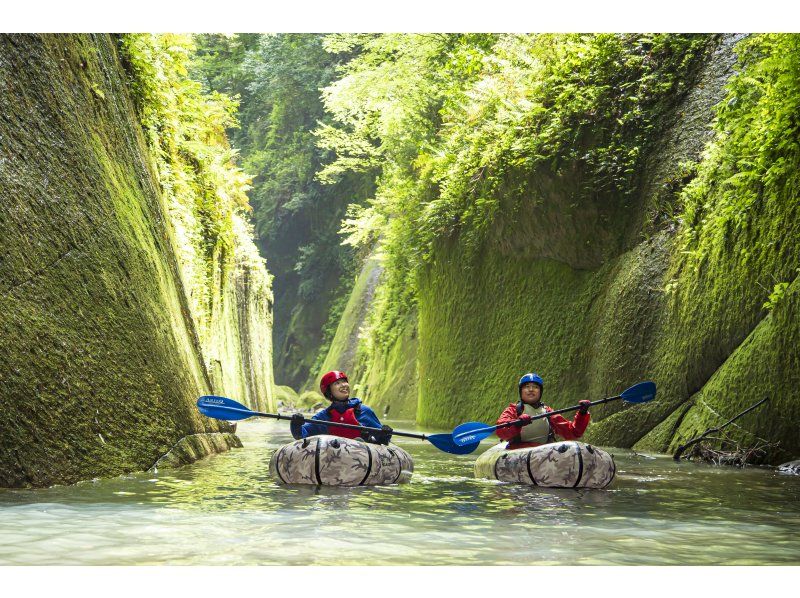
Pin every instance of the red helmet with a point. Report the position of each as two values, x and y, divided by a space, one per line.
329 379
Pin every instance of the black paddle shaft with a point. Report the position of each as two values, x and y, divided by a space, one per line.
558 412
341 425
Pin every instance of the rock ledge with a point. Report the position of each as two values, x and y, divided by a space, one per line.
196 446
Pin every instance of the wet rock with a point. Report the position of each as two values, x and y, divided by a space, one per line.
196 446
792 467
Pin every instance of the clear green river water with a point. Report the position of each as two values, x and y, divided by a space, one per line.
227 510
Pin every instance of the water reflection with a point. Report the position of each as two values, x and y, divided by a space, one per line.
656 512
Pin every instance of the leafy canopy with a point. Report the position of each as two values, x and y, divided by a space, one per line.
456 123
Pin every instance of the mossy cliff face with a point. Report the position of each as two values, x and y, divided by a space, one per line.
100 359
237 344
615 294
225 280
342 353
384 377
230 302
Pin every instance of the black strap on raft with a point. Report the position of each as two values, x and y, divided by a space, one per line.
530 472
278 464
399 464
369 466
580 465
316 461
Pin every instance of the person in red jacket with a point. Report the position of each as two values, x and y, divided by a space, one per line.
529 433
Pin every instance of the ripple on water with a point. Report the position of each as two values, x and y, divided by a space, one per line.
227 510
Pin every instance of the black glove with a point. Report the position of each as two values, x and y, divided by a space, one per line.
386 435
584 406
381 437
296 426
524 420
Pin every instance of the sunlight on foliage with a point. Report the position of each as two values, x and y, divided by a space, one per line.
277 78
456 124
755 157
185 129
776 295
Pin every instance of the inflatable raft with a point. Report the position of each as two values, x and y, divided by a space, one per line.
567 464
334 461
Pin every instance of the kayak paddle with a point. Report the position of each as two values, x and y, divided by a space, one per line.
228 409
471 432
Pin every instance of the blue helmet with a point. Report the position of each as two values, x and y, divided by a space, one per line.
535 378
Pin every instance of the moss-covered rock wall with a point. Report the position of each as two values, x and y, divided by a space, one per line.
205 195
342 353
384 377
101 361
238 345
596 301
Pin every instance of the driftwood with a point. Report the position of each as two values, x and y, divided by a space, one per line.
729 453
697 439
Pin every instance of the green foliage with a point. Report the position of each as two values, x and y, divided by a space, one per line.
185 129
542 123
278 80
755 158
557 102
739 243
218 63
457 124
776 295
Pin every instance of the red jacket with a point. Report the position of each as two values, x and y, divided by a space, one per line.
568 430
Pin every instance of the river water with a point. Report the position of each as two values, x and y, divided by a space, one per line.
227 510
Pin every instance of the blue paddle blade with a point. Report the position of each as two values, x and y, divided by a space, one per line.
640 393
222 408
444 442
471 432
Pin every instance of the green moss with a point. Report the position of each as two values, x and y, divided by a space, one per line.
341 354
501 317
311 400
101 360
382 375
740 239
285 395
204 192
514 232
387 379
566 226
100 368
765 364
689 311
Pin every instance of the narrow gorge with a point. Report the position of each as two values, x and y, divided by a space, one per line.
118 307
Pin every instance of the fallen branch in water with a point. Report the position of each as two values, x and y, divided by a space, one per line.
730 453
683 447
